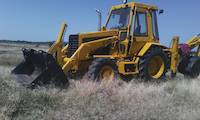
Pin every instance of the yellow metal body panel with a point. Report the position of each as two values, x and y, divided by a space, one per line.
121 67
84 51
195 42
64 50
134 4
56 48
107 56
174 55
97 34
147 46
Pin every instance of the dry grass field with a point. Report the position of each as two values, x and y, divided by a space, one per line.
177 99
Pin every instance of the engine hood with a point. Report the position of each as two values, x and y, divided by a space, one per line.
76 40
91 36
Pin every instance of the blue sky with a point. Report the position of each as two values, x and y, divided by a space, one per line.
40 20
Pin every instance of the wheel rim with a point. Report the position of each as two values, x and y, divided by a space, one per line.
156 67
106 73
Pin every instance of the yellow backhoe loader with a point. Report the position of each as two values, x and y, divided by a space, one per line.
128 45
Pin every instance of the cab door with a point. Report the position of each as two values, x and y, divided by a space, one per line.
140 30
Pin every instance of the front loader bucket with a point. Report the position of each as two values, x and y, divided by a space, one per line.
39 68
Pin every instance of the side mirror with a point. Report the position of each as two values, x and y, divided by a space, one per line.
161 11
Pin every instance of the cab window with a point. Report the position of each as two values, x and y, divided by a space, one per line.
155 25
119 18
140 28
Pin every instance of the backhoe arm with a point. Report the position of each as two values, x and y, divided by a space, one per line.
194 42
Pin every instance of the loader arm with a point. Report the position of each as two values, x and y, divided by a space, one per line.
85 50
56 48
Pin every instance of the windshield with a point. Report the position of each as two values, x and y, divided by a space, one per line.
119 18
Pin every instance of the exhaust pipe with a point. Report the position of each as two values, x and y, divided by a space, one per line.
99 19
125 1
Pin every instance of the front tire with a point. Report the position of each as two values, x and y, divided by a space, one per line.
103 70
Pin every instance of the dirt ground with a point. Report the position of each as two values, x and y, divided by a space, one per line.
177 99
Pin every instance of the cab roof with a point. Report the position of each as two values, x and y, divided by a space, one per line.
134 4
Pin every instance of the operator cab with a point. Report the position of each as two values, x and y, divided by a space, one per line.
140 20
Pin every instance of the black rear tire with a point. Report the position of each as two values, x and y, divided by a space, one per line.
144 65
190 66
